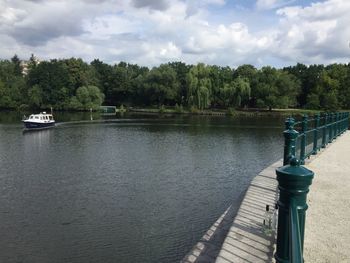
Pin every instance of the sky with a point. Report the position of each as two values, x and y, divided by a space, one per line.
151 32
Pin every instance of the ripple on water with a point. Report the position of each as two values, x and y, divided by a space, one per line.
124 190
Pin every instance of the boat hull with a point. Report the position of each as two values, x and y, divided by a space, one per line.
36 125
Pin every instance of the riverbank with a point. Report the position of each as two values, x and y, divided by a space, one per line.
225 112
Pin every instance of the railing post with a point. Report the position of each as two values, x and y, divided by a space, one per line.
330 128
303 139
324 130
317 123
342 122
290 136
337 125
339 122
293 183
333 126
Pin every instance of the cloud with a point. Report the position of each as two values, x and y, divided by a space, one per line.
35 23
155 32
152 4
316 33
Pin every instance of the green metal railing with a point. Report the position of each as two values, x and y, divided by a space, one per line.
302 139
314 133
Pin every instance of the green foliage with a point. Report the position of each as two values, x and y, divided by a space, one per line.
73 84
199 86
236 93
194 110
313 101
179 109
231 111
23 107
35 96
276 89
260 104
17 69
161 85
162 109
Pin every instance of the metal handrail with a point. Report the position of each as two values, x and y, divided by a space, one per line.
317 131
295 243
294 179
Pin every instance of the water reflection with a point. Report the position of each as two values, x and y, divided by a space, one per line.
38 135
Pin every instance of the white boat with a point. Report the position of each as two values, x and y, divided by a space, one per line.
39 121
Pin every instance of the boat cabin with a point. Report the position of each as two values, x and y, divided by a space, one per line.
42 117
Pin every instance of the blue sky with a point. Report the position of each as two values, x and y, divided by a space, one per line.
151 32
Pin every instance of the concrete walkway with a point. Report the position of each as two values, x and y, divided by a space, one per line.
327 232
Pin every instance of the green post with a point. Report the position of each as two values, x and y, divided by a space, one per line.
293 183
330 127
324 130
339 124
336 124
303 139
317 124
333 129
342 123
290 136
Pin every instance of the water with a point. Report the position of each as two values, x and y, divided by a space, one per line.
133 189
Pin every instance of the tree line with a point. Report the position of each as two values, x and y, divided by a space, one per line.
72 84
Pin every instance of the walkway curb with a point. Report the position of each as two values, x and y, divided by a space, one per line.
245 239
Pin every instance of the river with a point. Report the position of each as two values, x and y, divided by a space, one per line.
124 189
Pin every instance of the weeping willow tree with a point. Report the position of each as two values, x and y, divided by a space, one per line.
236 93
199 86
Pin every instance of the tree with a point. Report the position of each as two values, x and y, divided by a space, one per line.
181 70
13 86
35 96
276 88
236 93
328 90
51 76
79 73
161 85
104 76
199 86
87 97
17 65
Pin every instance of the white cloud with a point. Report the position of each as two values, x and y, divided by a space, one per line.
116 30
317 33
